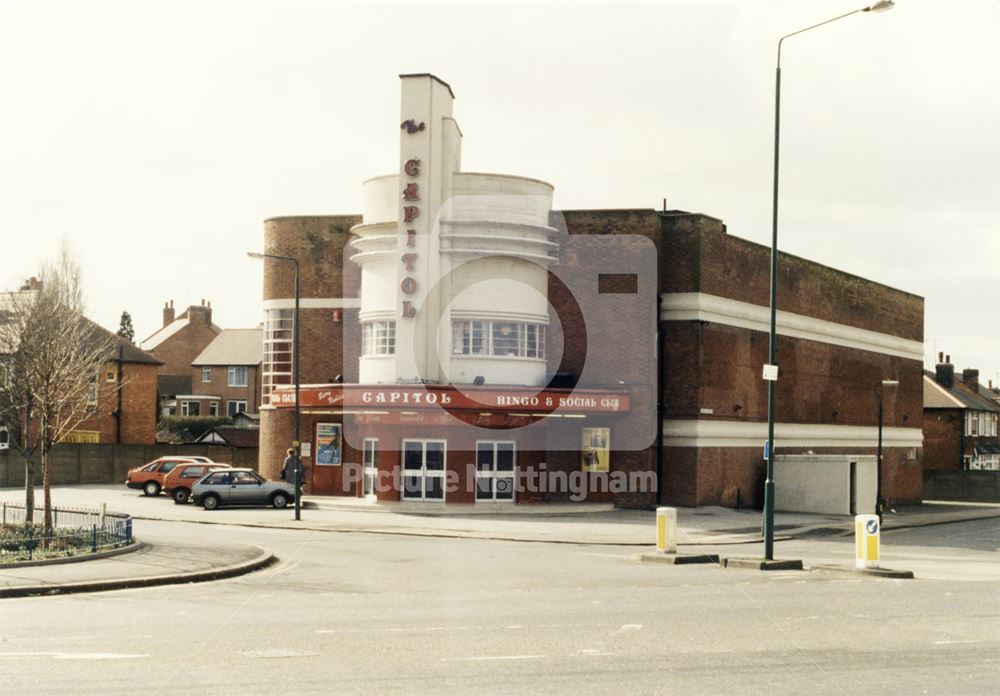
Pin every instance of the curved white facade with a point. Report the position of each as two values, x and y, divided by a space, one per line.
456 261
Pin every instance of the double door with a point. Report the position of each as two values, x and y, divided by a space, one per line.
423 469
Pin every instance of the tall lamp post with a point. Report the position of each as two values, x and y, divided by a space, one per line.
771 369
879 503
295 377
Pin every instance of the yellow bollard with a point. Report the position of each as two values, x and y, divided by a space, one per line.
666 530
866 541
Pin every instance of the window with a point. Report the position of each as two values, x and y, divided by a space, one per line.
378 338
206 373
190 408
213 408
237 376
498 338
234 406
110 376
277 364
193 472
93 392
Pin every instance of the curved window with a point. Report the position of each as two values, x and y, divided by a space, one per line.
378 338
499 338
277 363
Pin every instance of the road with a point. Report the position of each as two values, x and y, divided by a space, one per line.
358 613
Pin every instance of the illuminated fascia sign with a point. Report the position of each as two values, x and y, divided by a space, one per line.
520 400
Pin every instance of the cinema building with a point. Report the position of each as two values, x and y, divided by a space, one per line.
463 342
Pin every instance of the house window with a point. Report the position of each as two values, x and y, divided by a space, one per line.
206 374
277 364
190 408
213 408
236 406
237 376
508 339
378 338
93 393
110 376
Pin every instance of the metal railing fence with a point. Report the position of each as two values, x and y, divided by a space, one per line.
74 532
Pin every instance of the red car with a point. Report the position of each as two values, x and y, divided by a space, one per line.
149 478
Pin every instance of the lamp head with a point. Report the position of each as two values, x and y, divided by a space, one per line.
890 382
880 6
255 254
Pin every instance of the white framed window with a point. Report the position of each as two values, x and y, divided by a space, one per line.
279 332
508 339
234 406
237 376
110 376
190 408
378 338
495 471
213 408
206 373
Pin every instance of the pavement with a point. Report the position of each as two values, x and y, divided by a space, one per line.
700 530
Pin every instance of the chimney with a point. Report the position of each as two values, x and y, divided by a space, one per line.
970 378
168 313
945 373
200 314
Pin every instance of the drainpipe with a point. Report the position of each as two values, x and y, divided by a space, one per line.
118 412
660 341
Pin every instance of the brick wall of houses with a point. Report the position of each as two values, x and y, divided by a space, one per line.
138 406
181 348
218 385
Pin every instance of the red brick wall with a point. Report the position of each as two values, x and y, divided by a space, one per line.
218 385
180 349
318 242
138 407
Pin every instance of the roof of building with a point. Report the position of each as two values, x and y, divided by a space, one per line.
233 347
237 437
123 350
162 334
936 395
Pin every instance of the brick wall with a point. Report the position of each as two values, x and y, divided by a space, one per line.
218 385
138 407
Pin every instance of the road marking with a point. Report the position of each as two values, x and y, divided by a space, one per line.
488 658
955 642
77 656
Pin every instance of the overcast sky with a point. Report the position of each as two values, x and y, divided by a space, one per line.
157 136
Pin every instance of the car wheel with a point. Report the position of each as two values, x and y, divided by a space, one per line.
181 495
210 502
151 488
279 500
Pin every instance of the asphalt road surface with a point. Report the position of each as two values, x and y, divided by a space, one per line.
347 613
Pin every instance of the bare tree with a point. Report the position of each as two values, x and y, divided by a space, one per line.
56 356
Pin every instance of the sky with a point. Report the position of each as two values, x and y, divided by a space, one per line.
156 137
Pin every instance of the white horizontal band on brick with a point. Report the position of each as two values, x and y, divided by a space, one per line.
699 306
314 303
725 433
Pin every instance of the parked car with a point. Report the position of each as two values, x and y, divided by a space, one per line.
177 484
149 477
240 487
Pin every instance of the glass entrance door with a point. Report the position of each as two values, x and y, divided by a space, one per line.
369 471
494 471
423 469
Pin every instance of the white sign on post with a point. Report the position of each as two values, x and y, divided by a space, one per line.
771 373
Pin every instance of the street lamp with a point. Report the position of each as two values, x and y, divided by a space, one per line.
879 503
771 370
297 444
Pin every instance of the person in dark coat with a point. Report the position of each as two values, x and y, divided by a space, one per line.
288 466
